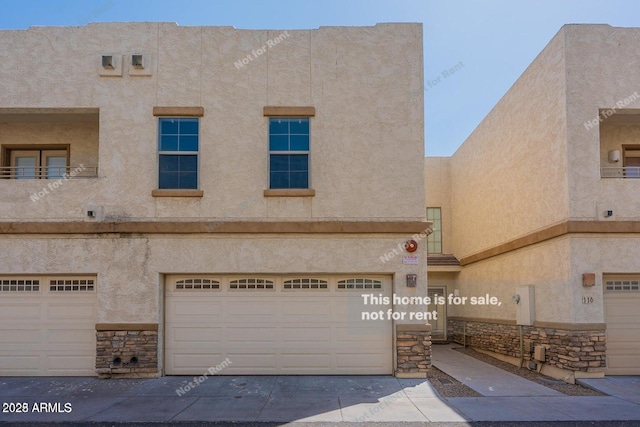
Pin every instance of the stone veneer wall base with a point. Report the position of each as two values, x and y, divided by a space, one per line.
577 351
127 350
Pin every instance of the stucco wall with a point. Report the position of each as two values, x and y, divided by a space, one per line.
555 268
622 196
535 161
547 266
509 178
367 135
601 74
438 194
21 199
129 268
600 255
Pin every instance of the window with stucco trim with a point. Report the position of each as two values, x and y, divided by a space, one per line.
434 240
178 147
289 141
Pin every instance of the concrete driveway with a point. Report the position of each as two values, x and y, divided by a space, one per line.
238 398
279 399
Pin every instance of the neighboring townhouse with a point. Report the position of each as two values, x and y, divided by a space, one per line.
191 200
541 204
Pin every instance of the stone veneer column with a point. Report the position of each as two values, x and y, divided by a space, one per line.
127 350
413 350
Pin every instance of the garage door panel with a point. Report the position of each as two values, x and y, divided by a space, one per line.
311 318
197 333
623 313
311 361
20 336
308 310
194 363
69 363
69 336
243 361
624 334
360 361
73 311
251 334
193 307
626 346
629 359
20 364
623 371
307 335
286 331
13 310
363 334
252 309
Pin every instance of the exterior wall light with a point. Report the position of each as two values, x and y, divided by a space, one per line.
410 245
614 156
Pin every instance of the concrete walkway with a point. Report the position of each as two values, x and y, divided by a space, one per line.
513 398
484 378
329 400
622 387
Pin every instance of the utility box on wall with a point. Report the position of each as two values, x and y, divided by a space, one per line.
525 308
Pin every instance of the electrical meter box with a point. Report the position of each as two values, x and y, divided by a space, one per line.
525 308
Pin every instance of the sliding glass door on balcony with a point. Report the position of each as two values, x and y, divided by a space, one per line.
631 165
56 165
25 166
38 164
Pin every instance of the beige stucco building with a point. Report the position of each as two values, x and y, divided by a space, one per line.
540 202
178 197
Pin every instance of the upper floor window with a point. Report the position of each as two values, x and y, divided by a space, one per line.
37 164
178 145
288 152
434 240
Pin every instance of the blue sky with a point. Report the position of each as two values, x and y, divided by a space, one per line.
488 43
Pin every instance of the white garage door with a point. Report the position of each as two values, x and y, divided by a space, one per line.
622 316
47 326
275 325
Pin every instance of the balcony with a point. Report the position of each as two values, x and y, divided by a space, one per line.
49 143
48 172
629 172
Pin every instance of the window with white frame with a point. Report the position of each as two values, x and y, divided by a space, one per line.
289 140
178 146
434 240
